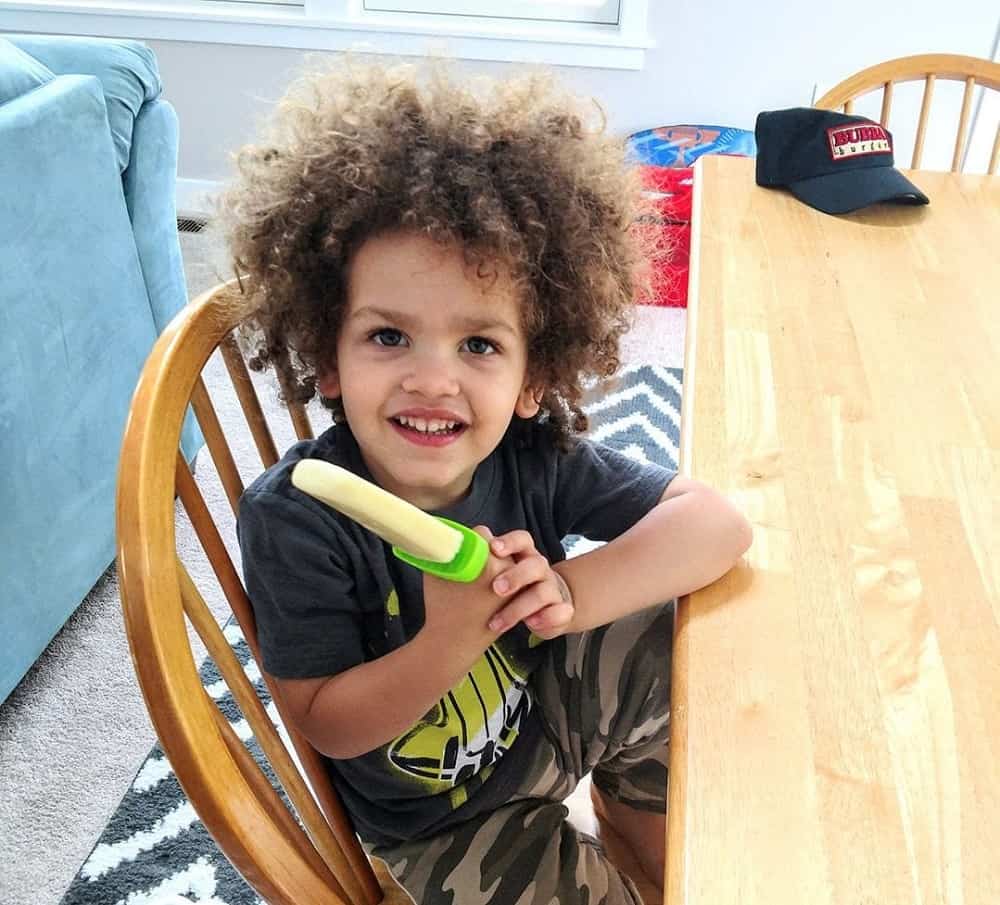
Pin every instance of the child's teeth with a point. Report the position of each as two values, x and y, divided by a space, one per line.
427 427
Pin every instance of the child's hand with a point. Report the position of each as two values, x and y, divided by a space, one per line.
459 613
534 591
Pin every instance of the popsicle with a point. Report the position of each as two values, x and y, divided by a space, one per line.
432 543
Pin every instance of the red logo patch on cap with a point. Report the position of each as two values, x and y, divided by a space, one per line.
856 140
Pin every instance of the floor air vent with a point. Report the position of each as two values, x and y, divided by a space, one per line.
190 225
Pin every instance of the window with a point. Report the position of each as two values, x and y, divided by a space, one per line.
221 4
600 12
610 34
244 2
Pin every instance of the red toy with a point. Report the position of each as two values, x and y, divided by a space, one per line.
672 187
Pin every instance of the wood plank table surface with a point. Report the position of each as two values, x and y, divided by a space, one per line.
836 715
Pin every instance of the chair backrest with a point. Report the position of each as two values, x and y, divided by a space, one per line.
927 68
316 858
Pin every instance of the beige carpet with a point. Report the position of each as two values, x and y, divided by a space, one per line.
75 731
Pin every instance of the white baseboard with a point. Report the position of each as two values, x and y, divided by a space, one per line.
194 197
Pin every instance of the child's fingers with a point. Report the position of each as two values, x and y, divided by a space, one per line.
536 598
518 609
512 542
521 575
550 621
496 564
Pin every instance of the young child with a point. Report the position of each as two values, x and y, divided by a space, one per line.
446 265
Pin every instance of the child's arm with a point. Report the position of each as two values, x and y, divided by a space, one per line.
692 537
358 710
352 713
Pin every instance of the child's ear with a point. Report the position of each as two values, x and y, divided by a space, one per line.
328 383
529 401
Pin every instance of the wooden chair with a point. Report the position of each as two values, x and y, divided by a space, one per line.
313 858
927 68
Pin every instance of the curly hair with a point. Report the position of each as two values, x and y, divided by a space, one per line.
517 172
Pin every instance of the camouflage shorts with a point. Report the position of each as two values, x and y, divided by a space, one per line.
604 700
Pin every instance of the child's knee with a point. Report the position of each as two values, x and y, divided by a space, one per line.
641 785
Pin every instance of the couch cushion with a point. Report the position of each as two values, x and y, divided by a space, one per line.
75 327
127 70
19 72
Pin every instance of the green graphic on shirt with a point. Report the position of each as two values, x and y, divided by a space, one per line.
468 731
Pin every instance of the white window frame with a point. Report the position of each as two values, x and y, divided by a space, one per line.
331 25
596 12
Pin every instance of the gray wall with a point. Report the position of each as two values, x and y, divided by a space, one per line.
715 62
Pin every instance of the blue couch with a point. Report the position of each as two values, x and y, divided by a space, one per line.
90 273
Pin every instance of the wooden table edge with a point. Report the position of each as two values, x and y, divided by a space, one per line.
675 862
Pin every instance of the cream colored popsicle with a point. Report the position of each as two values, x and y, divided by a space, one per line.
391 518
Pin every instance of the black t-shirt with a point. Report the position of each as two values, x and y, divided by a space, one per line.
328 595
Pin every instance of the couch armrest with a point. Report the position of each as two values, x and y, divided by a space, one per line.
150 184
127 71
150 193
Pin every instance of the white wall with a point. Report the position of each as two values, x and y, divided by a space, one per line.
715 62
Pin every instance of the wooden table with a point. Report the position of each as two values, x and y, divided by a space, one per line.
836 721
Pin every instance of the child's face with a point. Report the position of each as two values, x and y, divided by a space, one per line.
431 366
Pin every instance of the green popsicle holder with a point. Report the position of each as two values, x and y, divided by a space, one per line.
466 565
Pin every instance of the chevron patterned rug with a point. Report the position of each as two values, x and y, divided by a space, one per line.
155 847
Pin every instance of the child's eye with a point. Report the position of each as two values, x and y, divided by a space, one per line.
387 336
479 345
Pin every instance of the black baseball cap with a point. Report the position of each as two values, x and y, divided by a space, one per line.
834 162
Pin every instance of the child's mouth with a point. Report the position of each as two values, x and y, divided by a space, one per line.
428 433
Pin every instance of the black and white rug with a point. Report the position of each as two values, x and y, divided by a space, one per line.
154 845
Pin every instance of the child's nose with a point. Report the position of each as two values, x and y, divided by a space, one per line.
431 377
